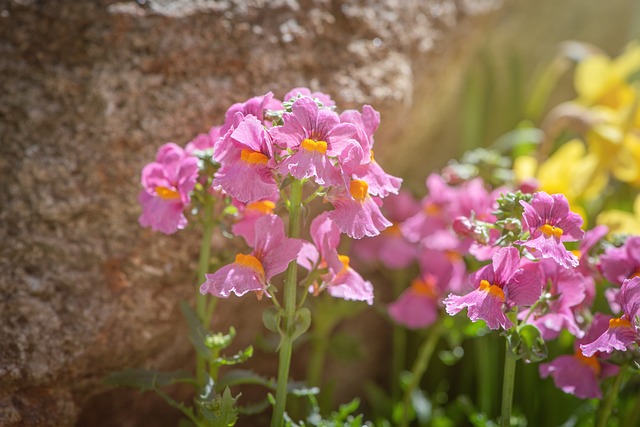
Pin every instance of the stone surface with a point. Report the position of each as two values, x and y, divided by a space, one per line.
89 90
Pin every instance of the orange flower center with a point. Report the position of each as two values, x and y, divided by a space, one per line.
494 290
253 157
619 323
312 145
251 262
345 262
432 209
263 206
167 194
424 287
392 230
550 230
591 362
359 189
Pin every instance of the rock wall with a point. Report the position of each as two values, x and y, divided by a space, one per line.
89 90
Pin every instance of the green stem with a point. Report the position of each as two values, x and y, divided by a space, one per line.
420 366
508 379
607 405
398 356
203 267
485 373
288 317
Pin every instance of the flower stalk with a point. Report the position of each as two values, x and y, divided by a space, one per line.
203 266
420 366
289 309
606 406
508 379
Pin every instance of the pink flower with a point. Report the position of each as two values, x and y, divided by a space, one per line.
245 226
566 293
316 136
359 162
271 255
499 286
167 184
550 223
356 213
255 106
306 92
417 307
578 374
390 247
623 332
204 141
620 264
246 173
340 281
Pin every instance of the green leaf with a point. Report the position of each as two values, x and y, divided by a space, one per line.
527 344
219 340
222 411
302 322
197 332
271 318
241 376
240 357
534 348
144 379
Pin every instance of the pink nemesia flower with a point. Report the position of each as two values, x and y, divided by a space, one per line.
417 307
433 215
356 213
246 173
249 213
578 374
167 184
204 141
499 286
340 281
315 135
550 223
566 292
359 162
586 265
390 247
620 264
306 92
255 106
272 253
623 332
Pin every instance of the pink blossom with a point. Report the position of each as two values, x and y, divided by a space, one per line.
357 213
255 106
549 222
359 162
578 374
306 92
271 255
246 173
316 136
498 287
340 281
567 290
417 307
620 264
390 247
167 184
249 213
623 332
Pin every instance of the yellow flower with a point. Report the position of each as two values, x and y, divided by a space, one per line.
621 221
570 171
600 80
617 151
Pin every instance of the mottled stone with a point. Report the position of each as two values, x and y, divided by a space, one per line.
90 89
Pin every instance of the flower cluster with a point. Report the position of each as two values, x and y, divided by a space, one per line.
263 144
537 267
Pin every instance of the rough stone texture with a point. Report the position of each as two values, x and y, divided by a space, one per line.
89 90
